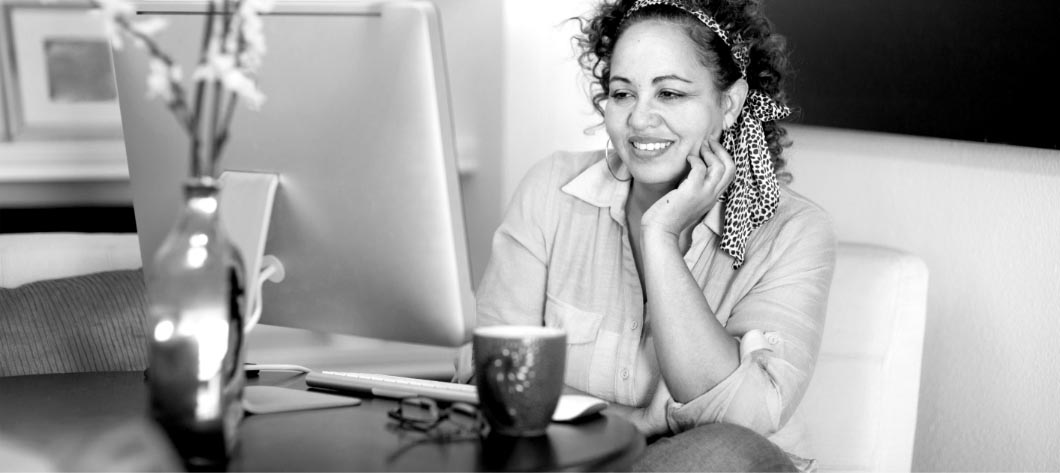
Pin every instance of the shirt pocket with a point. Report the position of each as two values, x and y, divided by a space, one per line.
582 328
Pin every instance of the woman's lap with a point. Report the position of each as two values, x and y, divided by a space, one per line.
714 447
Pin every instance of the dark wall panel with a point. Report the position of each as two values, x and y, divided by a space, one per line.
116 219
964 69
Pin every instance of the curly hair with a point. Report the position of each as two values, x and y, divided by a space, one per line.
766 71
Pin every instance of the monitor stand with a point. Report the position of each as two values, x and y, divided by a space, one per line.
246 209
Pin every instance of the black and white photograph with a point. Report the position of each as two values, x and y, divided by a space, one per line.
529 235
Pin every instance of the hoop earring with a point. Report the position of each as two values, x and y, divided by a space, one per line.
607 162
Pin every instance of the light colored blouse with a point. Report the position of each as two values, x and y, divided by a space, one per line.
562 258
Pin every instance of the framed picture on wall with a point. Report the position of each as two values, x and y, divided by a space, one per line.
58 76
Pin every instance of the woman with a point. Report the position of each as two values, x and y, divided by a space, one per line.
691 283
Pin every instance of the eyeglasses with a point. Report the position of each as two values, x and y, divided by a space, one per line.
457 421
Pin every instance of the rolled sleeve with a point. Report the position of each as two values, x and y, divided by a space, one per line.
779 324
752 396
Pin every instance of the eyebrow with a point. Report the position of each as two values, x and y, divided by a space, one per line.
655 80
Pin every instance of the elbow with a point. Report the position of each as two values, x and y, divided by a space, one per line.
753 414
758 396
743 406
759 404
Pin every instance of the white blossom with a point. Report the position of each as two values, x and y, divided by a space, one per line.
150 26
161 79
259 6
114 11
254 42
245 87
222 67
230 61
246 36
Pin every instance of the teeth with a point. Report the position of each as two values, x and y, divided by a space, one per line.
650 146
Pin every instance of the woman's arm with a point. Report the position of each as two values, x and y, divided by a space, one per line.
779 324
695 351
685 328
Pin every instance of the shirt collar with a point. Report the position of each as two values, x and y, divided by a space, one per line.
599 187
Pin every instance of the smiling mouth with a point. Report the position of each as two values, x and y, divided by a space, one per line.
654 146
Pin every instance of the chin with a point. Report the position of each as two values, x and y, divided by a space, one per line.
661 175
658 171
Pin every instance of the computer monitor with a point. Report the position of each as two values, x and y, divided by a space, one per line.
367 219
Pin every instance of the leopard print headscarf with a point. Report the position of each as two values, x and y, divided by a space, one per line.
754 193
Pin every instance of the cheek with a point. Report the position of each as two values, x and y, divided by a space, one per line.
702 124
613 122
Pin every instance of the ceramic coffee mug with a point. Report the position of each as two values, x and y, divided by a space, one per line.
519 371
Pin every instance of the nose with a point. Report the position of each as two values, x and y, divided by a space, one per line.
643 116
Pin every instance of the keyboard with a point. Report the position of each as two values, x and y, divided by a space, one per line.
382 385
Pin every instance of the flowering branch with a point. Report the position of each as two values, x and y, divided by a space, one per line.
200 92
232 49
218 92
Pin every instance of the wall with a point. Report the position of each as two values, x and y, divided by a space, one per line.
983 217
48 158
546 106
979 214
473 42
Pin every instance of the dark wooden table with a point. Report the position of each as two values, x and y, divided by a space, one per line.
38 409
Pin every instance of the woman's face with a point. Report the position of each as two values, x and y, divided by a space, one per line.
663 102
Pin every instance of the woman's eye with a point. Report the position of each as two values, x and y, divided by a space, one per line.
670 95
620 95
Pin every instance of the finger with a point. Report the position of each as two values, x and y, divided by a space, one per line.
728 165
715 164
721 153
698 169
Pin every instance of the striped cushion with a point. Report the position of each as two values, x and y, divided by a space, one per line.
93 322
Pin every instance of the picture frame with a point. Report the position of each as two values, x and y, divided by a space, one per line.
58 77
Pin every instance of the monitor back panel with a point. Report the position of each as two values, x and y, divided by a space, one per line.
368 219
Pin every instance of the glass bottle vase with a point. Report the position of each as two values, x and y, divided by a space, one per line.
195 332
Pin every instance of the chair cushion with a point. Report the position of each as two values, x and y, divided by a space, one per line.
92 322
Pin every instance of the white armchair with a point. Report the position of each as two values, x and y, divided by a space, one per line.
861 406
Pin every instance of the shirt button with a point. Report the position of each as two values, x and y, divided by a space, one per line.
636 324
625 373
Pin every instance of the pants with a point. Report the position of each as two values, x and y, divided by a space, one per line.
714 447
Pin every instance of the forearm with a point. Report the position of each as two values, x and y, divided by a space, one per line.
695 352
